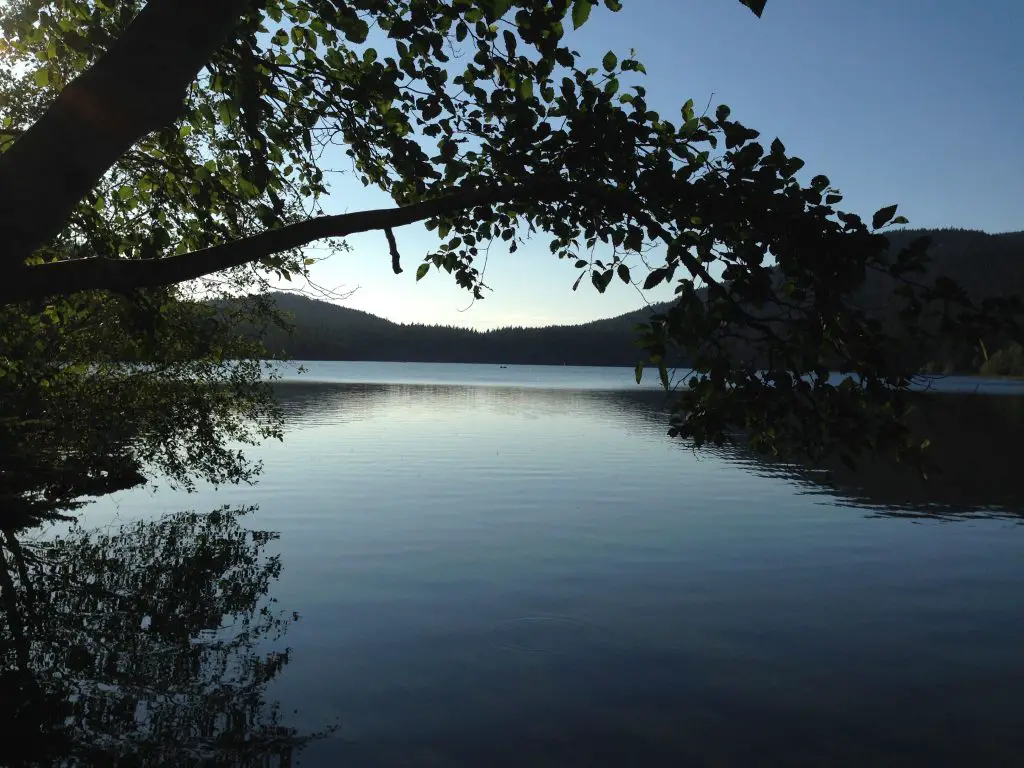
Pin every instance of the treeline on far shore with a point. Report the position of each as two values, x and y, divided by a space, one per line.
985 265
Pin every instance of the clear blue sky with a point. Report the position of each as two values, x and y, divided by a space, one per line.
916 102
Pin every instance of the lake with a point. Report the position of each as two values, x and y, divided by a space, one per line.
516 566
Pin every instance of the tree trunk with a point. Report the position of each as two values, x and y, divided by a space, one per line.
136 88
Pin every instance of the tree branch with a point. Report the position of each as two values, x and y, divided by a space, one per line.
136 88
396 258
123 275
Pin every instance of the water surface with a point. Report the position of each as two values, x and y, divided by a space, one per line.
562 376
531 573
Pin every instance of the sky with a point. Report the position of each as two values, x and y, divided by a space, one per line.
916 102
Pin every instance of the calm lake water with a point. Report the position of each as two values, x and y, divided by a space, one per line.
515 566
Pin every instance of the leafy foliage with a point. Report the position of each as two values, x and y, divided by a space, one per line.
93 400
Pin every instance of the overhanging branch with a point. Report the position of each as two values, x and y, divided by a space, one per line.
123 275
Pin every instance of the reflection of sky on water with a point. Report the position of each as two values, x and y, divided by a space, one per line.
508 576
975 439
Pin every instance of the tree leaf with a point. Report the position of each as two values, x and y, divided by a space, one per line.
356 29
422 270
882 216
581 12
757 6
609 61
654 278
498 8
601 279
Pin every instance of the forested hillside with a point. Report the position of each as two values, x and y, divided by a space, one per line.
326 331
984 264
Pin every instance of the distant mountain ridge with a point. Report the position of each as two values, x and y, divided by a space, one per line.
984 264
325 331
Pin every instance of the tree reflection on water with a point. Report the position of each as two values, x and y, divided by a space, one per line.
974 456
150 644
